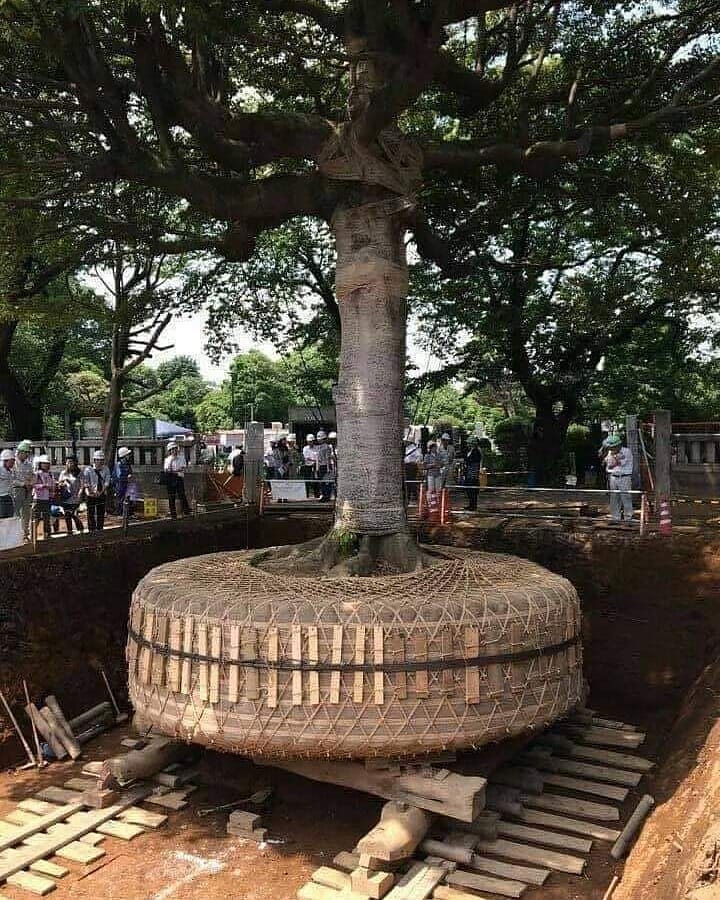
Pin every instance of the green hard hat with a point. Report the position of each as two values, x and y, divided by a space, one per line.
613 441
25 446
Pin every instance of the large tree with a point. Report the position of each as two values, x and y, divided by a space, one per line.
234 108
564 275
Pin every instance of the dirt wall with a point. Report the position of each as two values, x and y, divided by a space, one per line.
63 613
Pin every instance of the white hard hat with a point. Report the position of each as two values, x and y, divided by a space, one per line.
7 454
43 459
310 437
445 436
172 445
97 455
123 452
322 434
333 434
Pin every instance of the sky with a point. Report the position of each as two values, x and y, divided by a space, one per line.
187 335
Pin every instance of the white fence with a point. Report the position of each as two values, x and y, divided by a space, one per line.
148 454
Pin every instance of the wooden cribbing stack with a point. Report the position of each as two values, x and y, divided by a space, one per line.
536 822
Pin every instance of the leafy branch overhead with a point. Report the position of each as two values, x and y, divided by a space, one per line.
227 108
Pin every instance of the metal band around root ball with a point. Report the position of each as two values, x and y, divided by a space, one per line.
303 666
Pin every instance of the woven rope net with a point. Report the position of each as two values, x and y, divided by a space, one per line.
475 648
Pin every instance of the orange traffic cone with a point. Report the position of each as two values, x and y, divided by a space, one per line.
665 518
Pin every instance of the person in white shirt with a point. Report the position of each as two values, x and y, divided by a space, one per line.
448 469
96 481
174 471
324 466
309 465
619 466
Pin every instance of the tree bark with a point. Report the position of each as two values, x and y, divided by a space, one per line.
113 412
545 452
25 413
371 285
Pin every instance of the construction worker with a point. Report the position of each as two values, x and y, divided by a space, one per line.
25 474
174 469
332 440
432 470
122 474
619 467
8 483
43 493
324 471
96 483
309 463
270 461
447 448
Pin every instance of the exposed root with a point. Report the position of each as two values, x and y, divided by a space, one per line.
341 554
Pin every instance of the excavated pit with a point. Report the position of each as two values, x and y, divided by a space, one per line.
651 632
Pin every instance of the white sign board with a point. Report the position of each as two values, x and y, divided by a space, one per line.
11 533
288 490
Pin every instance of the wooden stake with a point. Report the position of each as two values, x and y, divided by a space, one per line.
17 729
40 761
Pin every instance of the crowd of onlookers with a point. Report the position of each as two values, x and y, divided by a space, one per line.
30 491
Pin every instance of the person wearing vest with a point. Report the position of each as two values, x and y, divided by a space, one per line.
96 480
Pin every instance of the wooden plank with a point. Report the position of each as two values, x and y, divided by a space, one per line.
20 817
297 657
472 673
599 773
45 867
606 737
586 809
446 647
29 881
80 784
543 836
501 886
565 823
378 659
511 871
172 800
186 668
314 891
41 823
202 645
123 830
146 654
420 652
272 676
173 668
346 862
313 657
80 852
331 878
216 653
159 659
336 659
396 649
92 839
486 883
549 859
582 786
359 679
233 667
444 892
136 815
249 651
417 883
39 807
612 757
53 843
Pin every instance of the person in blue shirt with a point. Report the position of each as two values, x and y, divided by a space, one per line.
121 476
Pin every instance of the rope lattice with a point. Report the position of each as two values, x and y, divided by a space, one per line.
225 654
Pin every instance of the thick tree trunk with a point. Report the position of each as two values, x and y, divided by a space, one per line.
24 412
371 284
25 416
113 411
546 457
